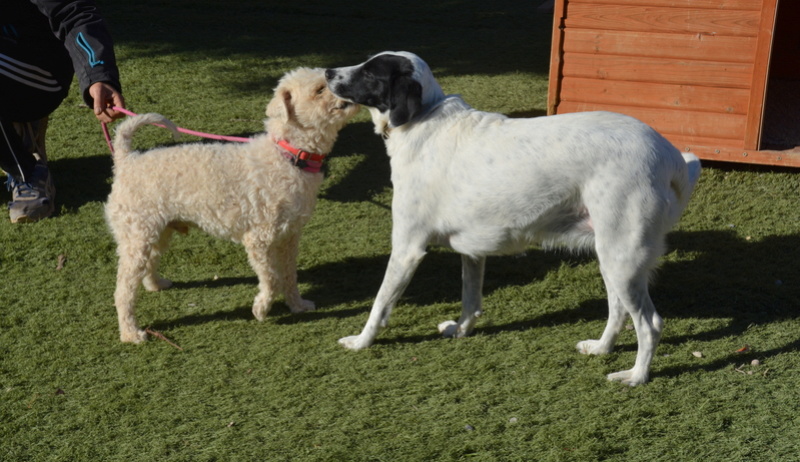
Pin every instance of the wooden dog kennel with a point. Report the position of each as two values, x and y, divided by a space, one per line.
720 78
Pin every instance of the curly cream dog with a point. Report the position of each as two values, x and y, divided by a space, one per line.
484 184
259 193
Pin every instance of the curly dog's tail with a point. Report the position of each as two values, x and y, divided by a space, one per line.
122 139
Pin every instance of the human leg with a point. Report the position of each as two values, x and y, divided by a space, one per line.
23 157
33 84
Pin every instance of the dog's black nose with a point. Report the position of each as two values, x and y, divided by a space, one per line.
330 74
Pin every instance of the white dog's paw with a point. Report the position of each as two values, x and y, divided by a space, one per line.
133 336
260 311
449 329
154 285
305 305
354 342
628 377
261 305
592 347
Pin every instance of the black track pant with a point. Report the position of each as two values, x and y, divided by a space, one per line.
33 83
15 158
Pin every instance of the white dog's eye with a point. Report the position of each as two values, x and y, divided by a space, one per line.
321 90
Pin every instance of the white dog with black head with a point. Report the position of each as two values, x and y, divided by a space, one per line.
485 184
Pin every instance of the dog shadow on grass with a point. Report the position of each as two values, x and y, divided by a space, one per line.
81 180
718 275
369 176
743 283
355 281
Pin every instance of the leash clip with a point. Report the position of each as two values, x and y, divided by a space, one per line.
300 159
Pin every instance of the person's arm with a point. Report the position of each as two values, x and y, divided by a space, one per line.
78 24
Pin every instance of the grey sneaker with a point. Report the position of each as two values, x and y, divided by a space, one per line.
34 200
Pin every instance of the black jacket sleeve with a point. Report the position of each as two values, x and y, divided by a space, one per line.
77 23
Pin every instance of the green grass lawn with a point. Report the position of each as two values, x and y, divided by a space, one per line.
284 390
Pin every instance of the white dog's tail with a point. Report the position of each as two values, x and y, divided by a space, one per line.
684 185
122 140
693 164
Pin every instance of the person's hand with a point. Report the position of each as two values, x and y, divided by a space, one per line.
105 97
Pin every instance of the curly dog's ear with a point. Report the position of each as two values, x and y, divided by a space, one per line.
281 107
406 100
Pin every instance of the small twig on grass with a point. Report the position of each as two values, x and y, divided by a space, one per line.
162 337
740 369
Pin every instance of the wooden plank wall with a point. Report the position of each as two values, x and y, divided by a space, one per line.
685 67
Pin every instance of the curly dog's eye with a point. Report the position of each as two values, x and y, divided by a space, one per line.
321 90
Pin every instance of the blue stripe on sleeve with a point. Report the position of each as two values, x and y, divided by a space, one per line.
84 44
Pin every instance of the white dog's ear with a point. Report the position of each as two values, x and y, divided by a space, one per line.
406 100
281 107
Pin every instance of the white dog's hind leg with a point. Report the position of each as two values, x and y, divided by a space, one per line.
626 270
649 326
472 270
133 257
402 264
152 281
629 239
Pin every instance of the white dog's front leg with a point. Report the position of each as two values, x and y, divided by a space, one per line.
472 270
263 259
287 254
402 265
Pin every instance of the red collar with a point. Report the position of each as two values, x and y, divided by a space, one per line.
303 160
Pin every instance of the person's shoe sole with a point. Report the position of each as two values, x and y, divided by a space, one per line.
27 218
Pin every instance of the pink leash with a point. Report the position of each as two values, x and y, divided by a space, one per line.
210 136
304 160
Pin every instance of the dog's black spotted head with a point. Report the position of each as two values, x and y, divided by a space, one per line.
395 86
